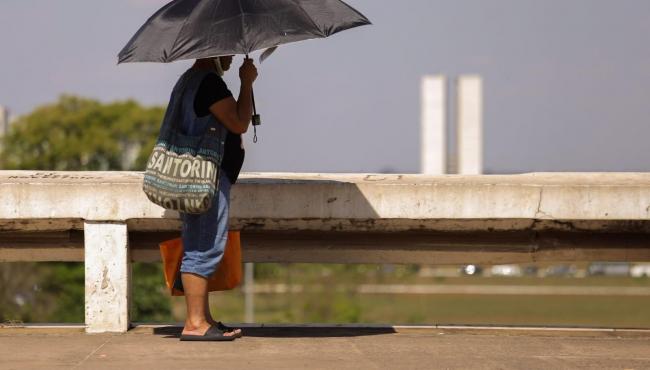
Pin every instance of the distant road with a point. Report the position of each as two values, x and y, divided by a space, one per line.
463 289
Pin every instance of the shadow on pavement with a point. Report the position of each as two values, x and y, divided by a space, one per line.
291 332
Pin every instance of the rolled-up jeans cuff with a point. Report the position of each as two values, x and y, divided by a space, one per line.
195 272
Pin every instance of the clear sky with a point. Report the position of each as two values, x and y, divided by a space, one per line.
567 83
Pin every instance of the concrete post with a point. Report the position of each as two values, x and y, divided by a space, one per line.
4 121
249 292
108 271
470 125
434 132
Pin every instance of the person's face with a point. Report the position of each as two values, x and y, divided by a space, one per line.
226 61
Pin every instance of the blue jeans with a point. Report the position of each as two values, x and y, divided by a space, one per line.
205 235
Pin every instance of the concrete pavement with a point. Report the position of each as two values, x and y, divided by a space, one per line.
329 348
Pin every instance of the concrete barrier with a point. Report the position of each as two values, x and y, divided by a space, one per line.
104 219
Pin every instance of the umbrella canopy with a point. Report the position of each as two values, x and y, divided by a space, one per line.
193 29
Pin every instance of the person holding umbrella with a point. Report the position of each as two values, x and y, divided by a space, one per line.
210 32
207 100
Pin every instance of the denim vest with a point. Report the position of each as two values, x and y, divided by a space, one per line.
186 89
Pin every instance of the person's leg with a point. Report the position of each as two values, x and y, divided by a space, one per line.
196 292
204 239
222 236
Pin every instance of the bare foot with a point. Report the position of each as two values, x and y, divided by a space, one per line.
202 328
195 328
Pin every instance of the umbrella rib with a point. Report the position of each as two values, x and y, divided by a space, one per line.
275 21
243 28
171 52
309 17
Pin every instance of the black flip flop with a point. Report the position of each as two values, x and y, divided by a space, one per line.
227 329
212 335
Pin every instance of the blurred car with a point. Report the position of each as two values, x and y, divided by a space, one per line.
560 271
505 270
471 270
640 270
609 269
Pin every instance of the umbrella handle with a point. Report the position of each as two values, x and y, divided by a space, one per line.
257 119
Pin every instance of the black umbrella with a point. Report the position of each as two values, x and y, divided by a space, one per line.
193 29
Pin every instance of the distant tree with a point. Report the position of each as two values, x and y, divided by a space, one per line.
78 134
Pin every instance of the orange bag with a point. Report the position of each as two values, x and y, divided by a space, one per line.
228 274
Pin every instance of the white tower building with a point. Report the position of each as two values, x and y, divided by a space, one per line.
434 126
470 125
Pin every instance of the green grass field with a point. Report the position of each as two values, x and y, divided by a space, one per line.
437 309
337 302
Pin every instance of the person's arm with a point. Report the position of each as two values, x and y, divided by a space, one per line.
236 115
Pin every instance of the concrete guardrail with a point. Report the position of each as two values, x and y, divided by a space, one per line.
104 219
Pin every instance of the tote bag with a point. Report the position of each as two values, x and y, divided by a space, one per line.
182 172
228 275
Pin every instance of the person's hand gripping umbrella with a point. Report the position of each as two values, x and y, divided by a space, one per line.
194 29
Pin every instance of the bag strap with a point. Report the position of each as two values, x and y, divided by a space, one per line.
189 76
174 110
175 113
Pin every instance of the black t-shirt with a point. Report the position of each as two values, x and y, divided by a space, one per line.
211 90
